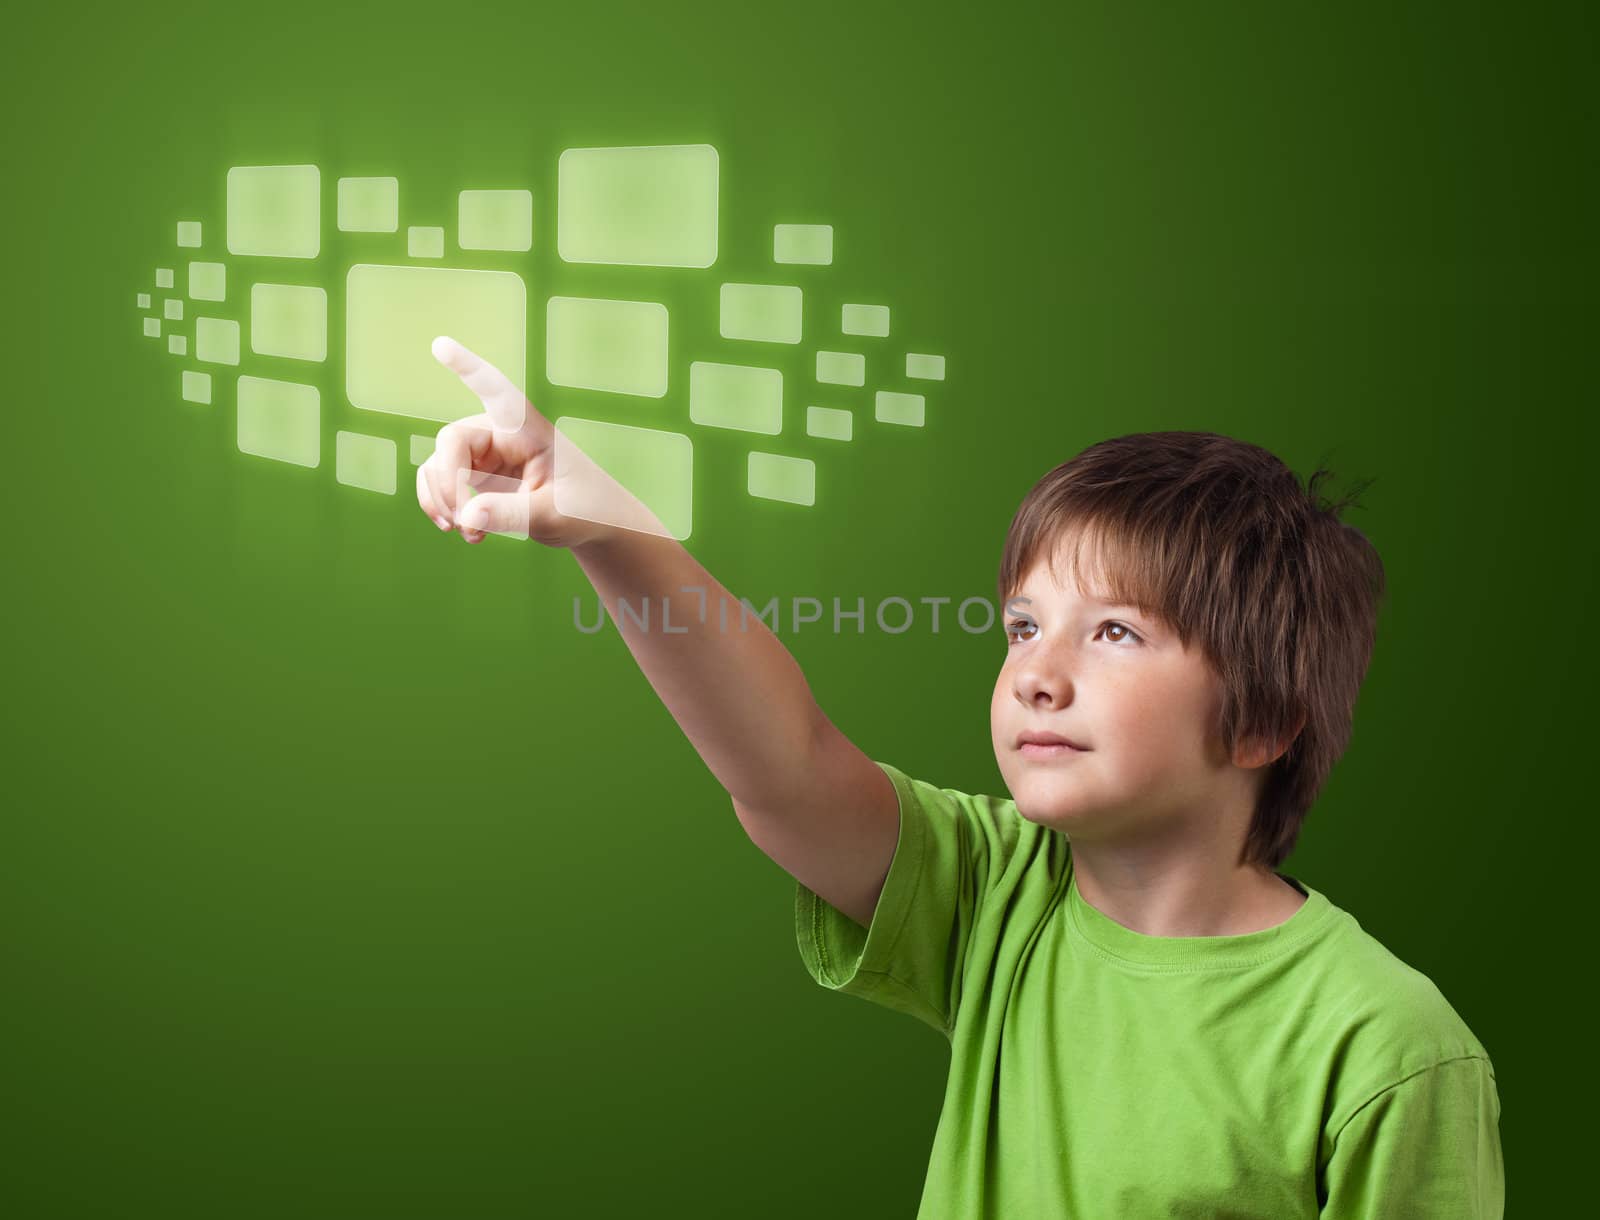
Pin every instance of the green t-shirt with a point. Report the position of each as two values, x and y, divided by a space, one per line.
1101 1074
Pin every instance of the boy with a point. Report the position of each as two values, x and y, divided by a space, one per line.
1145 1017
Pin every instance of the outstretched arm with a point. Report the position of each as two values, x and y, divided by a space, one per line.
808 798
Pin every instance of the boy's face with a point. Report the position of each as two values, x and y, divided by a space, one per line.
1117 682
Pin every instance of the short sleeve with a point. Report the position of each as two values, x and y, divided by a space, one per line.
1427 1148
950 849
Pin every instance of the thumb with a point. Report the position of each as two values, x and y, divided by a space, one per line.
498 512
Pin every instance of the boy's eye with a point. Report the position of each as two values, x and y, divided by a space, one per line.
1127 633
1017 625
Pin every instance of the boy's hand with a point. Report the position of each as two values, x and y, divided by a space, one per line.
512 440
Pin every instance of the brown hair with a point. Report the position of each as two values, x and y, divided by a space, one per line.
1218 538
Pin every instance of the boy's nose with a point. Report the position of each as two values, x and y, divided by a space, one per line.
1043 685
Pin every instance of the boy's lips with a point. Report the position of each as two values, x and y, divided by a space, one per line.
1040 746
1039 737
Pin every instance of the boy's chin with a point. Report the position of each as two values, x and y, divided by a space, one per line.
1057 804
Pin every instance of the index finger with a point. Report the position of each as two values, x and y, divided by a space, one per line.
506 405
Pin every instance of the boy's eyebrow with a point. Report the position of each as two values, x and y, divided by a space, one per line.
1109 605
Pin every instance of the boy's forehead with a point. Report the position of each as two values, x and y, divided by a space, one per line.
1052 567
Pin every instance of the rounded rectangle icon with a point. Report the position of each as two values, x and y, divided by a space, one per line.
776 476
765 313
289 320
393 315
208 281
895 407
216 340
635 478
869 320
280 420
363 461
736 396
651 206
806 244
831 423
275 210
616 346
842 368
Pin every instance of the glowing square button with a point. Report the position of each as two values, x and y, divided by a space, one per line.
280 420
774 476
365 461
808 244
648 206
208 281
275 210
393 315
289 320
216 341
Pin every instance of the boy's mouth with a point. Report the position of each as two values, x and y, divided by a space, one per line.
1042 745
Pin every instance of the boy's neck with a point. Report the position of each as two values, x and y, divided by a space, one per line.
1187 895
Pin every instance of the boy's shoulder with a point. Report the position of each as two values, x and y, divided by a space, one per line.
1383 1020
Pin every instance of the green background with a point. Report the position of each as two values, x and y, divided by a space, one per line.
341 876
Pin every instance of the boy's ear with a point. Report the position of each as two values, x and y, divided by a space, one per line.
1253 752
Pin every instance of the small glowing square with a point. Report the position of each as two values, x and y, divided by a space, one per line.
617 346
735 396
178 345
869 320
196 386
807 244
635 478
924 368
280 420
643 206
369 205
275 210
289 320
189 234
841 368
152 327
208 282
216 341
830 423
421 449
892 407
772 476
163 277
765 313
142 300
495 220
425 241
365 461
172 307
